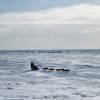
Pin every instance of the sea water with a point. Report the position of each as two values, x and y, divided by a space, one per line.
18 82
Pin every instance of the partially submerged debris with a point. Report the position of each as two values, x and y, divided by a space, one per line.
34 68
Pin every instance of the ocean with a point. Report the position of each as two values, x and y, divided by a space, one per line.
18 82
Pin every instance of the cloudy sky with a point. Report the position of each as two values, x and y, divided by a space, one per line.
49 24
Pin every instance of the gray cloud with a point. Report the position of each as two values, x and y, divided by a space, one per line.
75 27
47 37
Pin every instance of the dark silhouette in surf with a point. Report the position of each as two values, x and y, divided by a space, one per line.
34 67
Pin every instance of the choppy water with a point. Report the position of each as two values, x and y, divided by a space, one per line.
17 82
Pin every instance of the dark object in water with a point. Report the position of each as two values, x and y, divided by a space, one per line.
63 70
34 67
51 69
67 70
46 68
58 69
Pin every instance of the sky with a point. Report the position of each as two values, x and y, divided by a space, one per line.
49 24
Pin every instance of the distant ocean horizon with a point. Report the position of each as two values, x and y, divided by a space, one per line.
50 50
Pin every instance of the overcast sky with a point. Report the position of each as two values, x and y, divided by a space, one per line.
49 24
